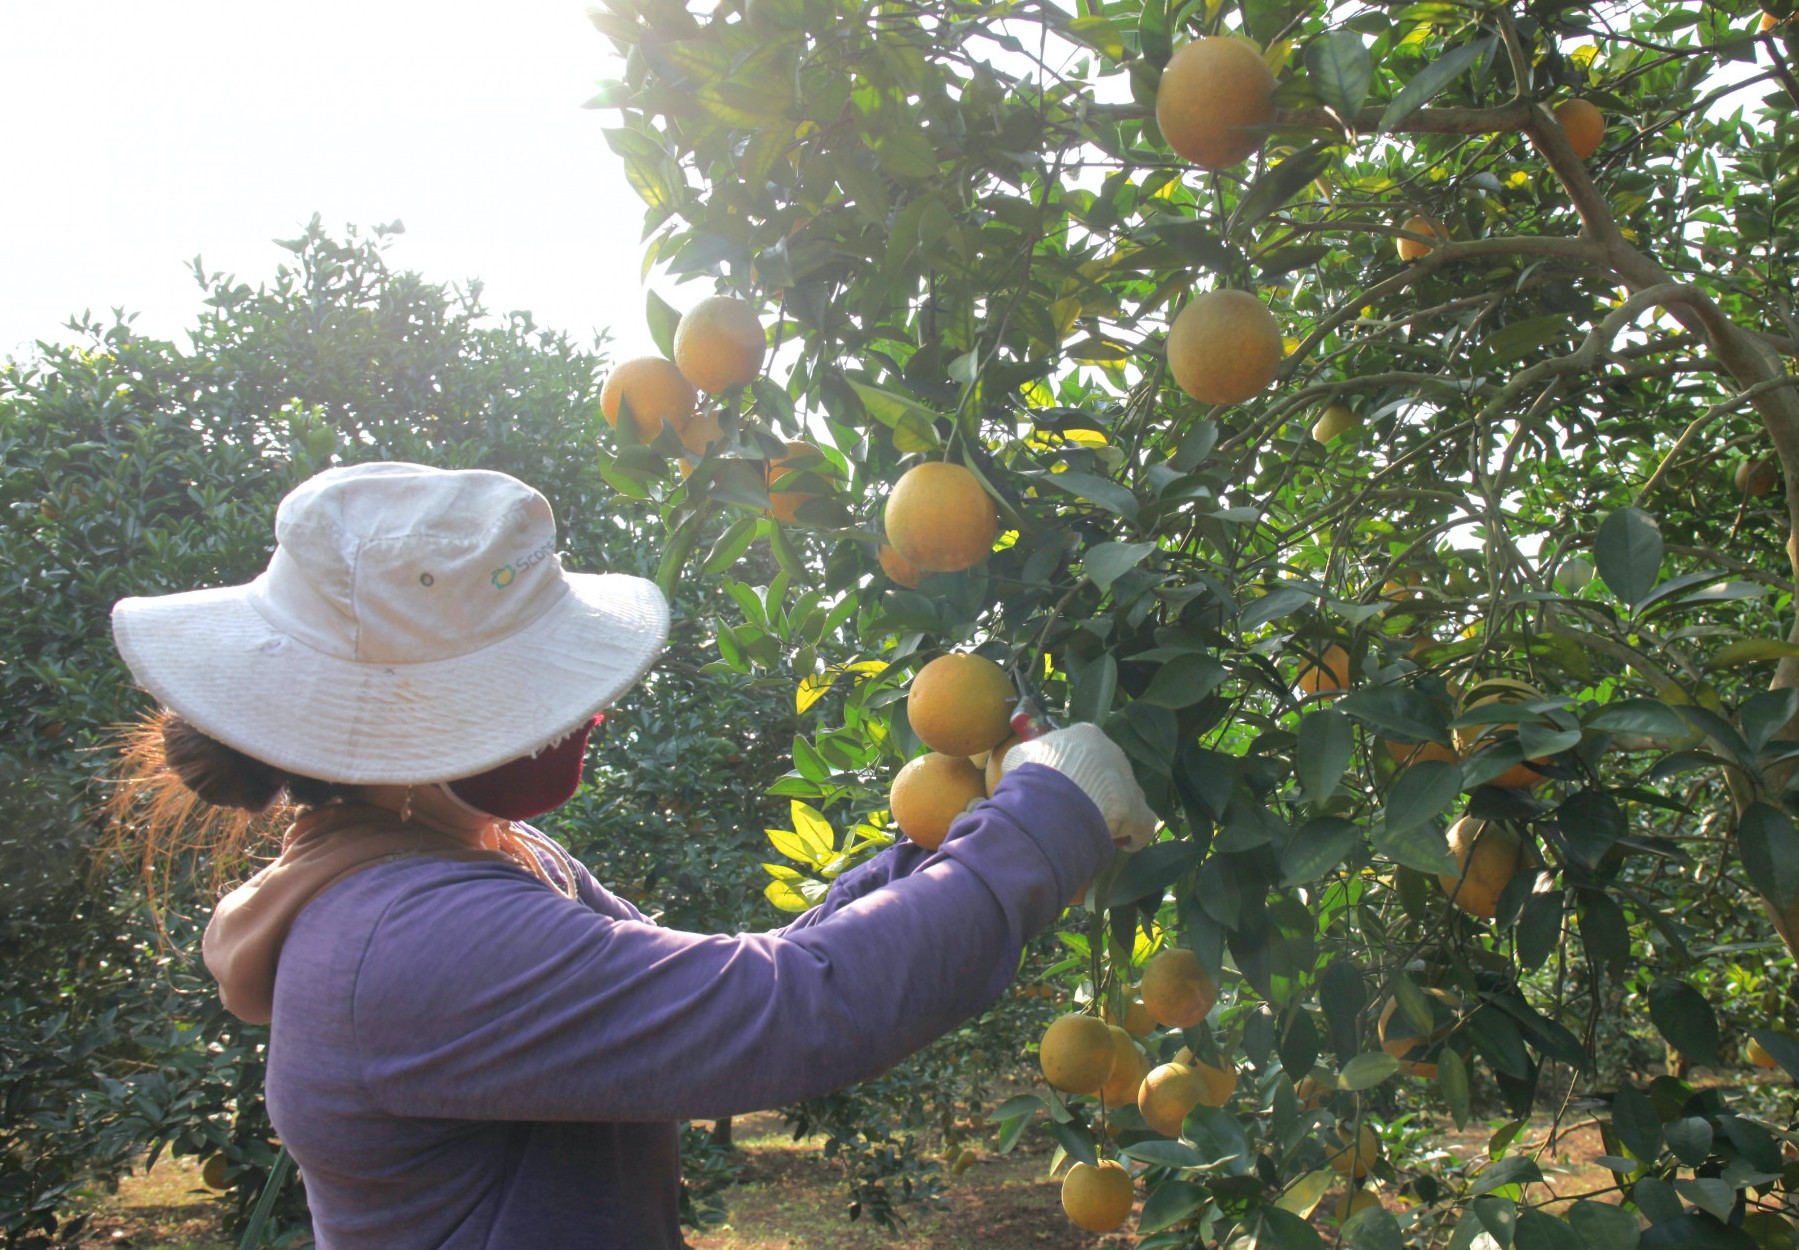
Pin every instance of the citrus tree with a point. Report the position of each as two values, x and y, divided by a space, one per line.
1377 419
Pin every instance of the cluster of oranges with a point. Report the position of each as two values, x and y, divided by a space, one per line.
1085 1054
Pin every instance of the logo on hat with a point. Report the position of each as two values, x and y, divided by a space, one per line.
502 577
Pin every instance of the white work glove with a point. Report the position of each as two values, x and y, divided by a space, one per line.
1084 755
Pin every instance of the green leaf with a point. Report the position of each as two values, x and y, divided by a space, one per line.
1603 1226
1540 1231
1373 1228
1648 717
906 154
1690 1138
1421 793
1167 1154
1099 34
1184 681
1316 848
1095 684
730 546
913 425
1304 1194
1076 1141
1751 651
1695 1230
1367 1070
1281 183
1105 563
1340 71
1437 74
1171 1202
1628 551
1683 1016
1421 847
1517 1170
1769 846
1452 1082
1636 1123
662 317
1097 490
1326 744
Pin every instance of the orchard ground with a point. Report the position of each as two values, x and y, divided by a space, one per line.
789 1197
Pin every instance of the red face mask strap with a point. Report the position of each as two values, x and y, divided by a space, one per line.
531 784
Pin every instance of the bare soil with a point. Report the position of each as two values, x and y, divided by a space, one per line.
789 1197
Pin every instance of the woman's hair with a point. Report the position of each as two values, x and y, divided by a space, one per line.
184 801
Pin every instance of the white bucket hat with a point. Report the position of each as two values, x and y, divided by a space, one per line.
414 625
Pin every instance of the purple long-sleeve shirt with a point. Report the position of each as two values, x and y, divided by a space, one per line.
462 1057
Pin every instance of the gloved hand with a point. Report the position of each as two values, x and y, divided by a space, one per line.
1084 755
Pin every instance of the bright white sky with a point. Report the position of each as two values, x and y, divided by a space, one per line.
142 134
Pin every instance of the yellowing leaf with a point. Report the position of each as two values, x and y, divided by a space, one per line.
814 830
811 690
785 896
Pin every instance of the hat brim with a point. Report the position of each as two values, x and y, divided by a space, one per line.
212 658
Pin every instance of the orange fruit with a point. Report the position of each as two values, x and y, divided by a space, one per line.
1418 752
1487 857
1583 124
1330 677
996 763
699 430
1470 739
1333 421
1098 1198
1128 1069
1758 1054
719 344
1399 1038
1176 989
1757 477
1351 1202
1215 97
1137 1021
1411 249
898 568
1224 347
929 793
1353 1155
960 704
214 1171
1217 1084
784 505
940 518
1076 1054
1169 1092
1312 1092
656 392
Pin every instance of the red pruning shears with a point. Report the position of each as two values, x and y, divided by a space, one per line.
1029 720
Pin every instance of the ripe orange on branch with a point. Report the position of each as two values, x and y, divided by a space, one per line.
1487 856
1328 675
1076 1054
1215 97
784 505
1584 125
1098 1198
1757 477
1430 227
1176 988
655 391
1224 347
1353 1155
719 344
960 704
899 569
1333 421
940 518
930 792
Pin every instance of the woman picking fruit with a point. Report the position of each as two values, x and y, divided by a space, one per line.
472 1042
